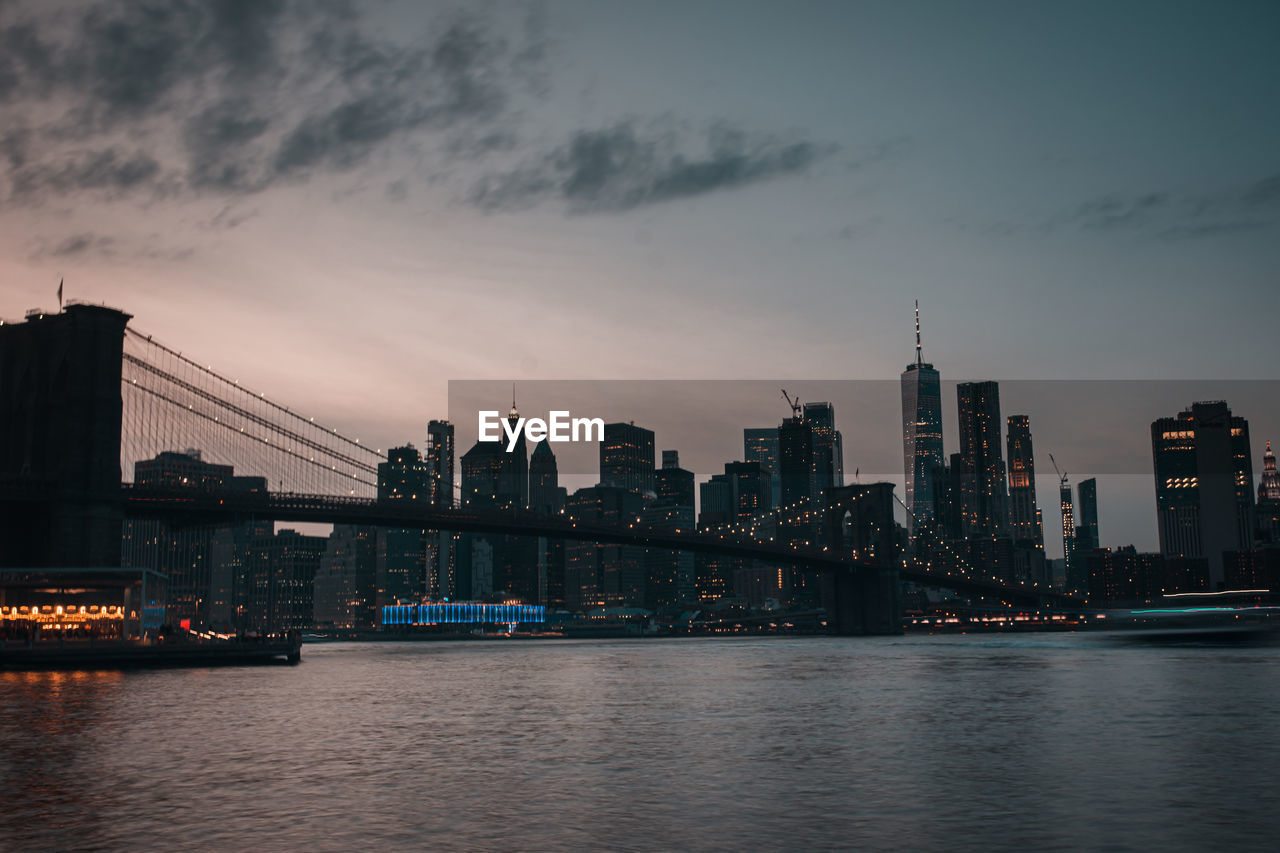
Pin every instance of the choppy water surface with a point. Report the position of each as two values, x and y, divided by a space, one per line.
1046 742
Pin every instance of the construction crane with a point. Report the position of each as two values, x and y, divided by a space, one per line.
1062 478
794 404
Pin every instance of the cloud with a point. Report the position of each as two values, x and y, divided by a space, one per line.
620 168
190 99
233 96
229 217
89 245
1114 211
81 244
108 170
396 190
1178 216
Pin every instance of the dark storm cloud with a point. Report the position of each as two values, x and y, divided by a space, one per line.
89 246
217 141
230 97
620 168
79 244
1174 216
454 81
108 170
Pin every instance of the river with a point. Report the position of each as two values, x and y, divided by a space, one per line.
973 742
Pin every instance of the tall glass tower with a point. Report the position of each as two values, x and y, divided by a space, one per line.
1024 516
983 493
921 434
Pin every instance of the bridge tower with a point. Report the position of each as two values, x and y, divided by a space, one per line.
858 521
60 422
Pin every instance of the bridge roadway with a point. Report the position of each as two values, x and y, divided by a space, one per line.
191 507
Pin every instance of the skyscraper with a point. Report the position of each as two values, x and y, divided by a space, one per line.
597 574
401 565
1204 485
982 481
921 435
513 470
281 581
1073 569
1088 530
403 476
760 444
828 447
493 477
669 575
1269 488
674 485
1024 517
795 460
439 460
1268 525
546 495
203 567
626 458
345 593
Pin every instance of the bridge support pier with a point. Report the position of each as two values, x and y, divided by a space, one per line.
60 411
858 522
864 601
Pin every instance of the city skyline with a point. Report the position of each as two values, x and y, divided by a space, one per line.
1123 462
227 188
364 199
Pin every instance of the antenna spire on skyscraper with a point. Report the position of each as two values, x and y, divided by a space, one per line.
514 414
919 353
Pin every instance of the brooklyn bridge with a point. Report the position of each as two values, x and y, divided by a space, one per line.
84 394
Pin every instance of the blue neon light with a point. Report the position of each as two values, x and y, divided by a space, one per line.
462 613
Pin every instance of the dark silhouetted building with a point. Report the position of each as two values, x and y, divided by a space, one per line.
596 574
627 458
673 484
482 479
760 444
402 552
1204 485
982 478
280 587
439 458
795 464
345 587
548 497
670 575
486 564
1125 574
439 462
1267 530
202 567
1024 515
1087 531
828 446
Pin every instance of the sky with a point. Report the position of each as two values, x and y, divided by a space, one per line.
349 205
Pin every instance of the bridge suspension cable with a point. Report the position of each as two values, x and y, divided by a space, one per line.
172 403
